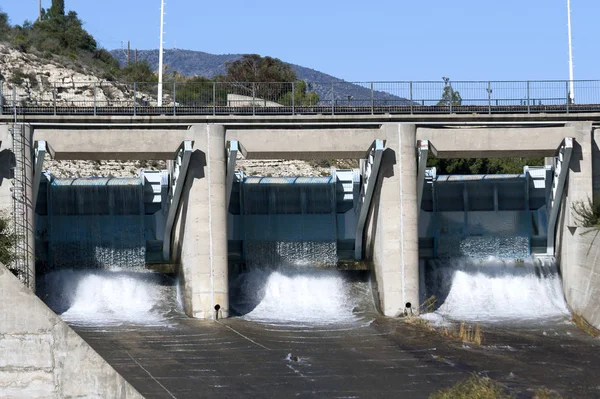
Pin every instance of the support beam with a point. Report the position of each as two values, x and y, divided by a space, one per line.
370 172
39 154
561 171
232 150
180 168
423 152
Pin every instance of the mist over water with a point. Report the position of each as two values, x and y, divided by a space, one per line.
496 289
100 297
299 297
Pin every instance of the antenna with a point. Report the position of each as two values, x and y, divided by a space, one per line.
160 52
571 84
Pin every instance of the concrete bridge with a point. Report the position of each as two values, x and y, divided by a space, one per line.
203 146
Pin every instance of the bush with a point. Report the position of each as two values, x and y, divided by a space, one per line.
587 213
7 243
475 386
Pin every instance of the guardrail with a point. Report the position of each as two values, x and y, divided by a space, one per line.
260 98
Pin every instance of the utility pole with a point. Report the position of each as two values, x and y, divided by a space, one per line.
128 52
40 10
571 84
160 52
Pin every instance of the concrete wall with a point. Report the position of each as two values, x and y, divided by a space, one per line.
577 252
41 357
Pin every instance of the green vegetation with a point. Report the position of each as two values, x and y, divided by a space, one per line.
475 387
7 244
271 72
481 166
449 96
60 34
587 213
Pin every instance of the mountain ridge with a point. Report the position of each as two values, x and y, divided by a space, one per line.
199 63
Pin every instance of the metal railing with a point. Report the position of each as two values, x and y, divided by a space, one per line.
247 98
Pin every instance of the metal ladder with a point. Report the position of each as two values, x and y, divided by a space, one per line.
19 194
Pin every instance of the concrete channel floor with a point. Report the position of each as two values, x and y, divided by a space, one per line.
373 358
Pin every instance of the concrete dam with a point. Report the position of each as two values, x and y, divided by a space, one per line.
203 238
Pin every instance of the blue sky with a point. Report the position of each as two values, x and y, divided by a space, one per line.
361 40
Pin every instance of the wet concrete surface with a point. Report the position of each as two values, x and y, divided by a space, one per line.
372 358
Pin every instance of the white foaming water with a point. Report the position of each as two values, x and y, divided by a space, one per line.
298 298
109 297
498 290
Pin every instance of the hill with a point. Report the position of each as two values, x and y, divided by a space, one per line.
198 63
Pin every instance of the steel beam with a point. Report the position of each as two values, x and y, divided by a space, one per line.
370 171
39 154
560 173
232 150
178 175
423 152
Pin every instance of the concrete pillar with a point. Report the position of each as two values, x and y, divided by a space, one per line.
392 237
201 230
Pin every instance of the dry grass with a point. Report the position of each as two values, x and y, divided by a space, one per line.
466 333
476 386
419 322
582 323
545 393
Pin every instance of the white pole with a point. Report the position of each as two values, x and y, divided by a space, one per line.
160 53
571 86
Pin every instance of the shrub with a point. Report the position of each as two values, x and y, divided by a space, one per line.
475 386
587 213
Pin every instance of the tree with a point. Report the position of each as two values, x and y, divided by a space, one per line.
449 96
252 68
138 72
57 9
4 25
302 97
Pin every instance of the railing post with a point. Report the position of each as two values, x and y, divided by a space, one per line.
174 98
1 97
489 90
293 98
14 101
134 98
451 95
568 97
54 97
253 98
94 98
372 100
332 100
214 98
410 88
528 99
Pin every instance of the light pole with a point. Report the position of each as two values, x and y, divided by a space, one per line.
160 52
571 84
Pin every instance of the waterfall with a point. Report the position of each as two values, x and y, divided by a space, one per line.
96 223
494 289
289 221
